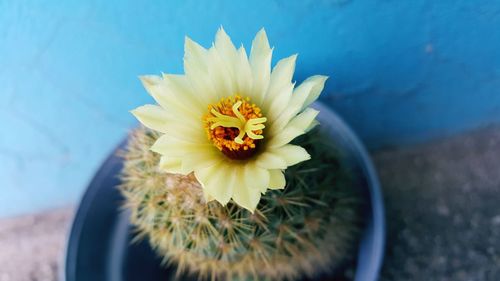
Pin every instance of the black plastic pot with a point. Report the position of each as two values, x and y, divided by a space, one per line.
100 249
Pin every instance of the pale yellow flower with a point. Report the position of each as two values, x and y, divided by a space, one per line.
229 119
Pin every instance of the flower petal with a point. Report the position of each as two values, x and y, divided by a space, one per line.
207 196
219 73
244 195
260 63
156 87
236 62
280 87
179 86
256 177
304 120
218 181
195 54
268 160
296 127
152 116
166 145
244 76
312 86
158 119
200 160
313 124
277 179
228 54
196 69
171 165
318 82
226 50
284 136
292 154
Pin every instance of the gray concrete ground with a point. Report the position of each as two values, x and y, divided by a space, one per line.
443 216
443 209
31 246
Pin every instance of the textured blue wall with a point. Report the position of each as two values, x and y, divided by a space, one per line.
401 72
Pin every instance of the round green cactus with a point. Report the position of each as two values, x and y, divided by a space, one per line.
309 227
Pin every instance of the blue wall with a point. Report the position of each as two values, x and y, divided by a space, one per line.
401 72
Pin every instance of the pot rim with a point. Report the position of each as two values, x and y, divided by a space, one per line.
372 244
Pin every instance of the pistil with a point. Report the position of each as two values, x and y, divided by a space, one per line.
235 126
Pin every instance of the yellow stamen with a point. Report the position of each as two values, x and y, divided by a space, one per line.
234 125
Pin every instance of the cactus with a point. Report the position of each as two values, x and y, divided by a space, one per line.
309 227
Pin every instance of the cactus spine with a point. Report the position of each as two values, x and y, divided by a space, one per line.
309 227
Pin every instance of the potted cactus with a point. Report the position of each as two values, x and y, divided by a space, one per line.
311 226
232 177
